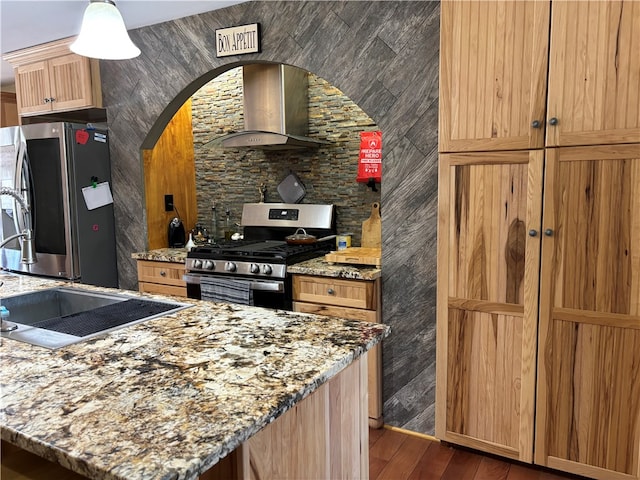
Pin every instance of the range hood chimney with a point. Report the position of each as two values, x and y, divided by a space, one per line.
275 106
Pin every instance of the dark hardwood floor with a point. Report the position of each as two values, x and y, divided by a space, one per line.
394 455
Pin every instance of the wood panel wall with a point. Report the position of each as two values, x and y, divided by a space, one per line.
9 110
169 169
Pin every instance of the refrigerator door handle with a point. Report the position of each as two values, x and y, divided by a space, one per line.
22 181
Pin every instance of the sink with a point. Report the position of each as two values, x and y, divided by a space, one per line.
61 316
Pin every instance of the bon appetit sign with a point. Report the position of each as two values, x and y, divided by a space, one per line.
238 40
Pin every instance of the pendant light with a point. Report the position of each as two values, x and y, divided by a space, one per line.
103 34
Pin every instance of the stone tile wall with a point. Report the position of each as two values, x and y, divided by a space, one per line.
228 178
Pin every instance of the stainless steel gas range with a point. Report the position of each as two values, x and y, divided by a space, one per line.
253 271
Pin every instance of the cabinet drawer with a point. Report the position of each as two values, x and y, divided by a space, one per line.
161 272
161 289
335 291
371 316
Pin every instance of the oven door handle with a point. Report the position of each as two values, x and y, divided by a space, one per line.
262 285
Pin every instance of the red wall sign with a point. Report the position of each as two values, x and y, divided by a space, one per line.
370 161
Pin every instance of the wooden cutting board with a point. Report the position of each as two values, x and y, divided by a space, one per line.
372 228
356 256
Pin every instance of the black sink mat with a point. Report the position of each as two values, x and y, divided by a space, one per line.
102 318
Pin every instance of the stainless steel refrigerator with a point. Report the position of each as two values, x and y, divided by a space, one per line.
57 177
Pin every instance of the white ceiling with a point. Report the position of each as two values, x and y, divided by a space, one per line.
24 23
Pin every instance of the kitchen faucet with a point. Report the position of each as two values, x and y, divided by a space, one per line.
27 246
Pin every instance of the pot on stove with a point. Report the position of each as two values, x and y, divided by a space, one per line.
301 237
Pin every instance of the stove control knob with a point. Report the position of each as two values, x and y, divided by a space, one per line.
197 264
266 269
230 267
254 268
208 264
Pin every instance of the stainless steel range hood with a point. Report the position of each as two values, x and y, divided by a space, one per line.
275 103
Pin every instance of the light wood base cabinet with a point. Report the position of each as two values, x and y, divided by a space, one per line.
353 299
324 436
588 395
504 249
487 300
164 278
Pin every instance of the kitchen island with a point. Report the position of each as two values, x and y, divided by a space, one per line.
173 396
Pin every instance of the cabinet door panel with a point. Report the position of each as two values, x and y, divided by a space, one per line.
70 82
483 385
488 266
493 71
588 419
594 73
32 88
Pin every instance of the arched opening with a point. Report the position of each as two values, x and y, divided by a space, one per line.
210 183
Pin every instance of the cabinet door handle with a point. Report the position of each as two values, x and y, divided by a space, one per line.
533 233
548 232
330 291
553 121
536 124
46 100
52 99
163 273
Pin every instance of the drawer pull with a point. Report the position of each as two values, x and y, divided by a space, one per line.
163 273
330 291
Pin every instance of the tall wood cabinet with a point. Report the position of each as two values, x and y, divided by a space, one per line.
494 78
50 78
539 233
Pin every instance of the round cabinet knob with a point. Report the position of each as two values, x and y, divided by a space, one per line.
163 273
197 264
46 100
553 121
208 265
266 269
331 291
533 233
230 267
254 268
548 232
536 124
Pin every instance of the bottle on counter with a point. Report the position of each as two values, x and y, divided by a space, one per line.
5 324
228 226
190 244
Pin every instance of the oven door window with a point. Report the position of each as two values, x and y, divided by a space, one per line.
260 293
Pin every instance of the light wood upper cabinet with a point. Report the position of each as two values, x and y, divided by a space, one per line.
588 408
493 69
500 60
488 257
594 73
51 79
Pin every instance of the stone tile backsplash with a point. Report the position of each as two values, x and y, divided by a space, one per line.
229 178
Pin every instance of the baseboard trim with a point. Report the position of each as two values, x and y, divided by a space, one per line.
411 432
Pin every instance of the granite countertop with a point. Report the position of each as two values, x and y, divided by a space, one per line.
315 266
170 397
318 267
172 255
